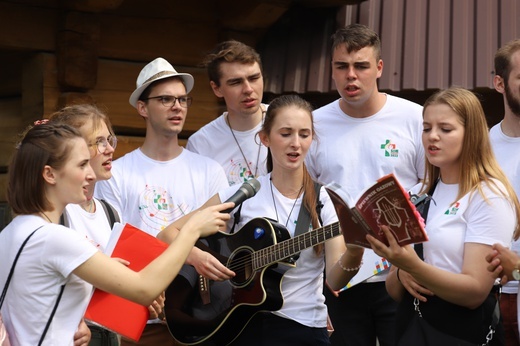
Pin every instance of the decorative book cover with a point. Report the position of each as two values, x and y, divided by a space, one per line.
115 313
384 203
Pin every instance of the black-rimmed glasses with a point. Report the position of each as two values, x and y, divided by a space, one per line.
169 101
102 143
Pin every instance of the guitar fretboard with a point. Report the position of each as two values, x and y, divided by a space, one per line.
277 252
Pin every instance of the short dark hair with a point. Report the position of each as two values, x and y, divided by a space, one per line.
41 145
229 51
503 59
356 37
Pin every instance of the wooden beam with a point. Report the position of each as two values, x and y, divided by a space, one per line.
77 51
115 83
251 15
33 74
12 126
92 5
27 27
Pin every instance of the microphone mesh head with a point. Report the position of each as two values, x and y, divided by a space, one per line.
252 186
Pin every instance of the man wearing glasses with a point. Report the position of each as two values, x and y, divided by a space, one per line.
159 182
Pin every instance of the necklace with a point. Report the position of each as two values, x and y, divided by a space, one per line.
90 206
242 152
274 202
46 217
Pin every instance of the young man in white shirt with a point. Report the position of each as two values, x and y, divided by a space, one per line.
362 136
505 139
235 74
159 182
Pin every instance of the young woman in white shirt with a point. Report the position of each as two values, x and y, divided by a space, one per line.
473 206
288 132
50 169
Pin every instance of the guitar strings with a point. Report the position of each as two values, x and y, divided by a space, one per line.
278 249
285 244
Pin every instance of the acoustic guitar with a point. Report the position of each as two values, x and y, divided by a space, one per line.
260 253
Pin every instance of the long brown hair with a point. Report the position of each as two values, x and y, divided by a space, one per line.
478 162
309 192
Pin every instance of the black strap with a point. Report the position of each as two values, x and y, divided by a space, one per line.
423 210
52 315
304 218
110 212
8 281
11 271
236 218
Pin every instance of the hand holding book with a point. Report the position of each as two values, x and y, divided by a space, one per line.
384 203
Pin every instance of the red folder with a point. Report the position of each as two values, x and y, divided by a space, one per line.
115 313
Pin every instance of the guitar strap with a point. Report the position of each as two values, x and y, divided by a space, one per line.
304 218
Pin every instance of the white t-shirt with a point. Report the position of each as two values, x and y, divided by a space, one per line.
508 156
215 140
94 226
150 194
302 286
356 152
45 264
470 219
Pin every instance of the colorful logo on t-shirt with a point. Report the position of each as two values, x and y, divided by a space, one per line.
157 208
390 149
453 210
239 172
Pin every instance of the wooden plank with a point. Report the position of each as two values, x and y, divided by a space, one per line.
32 88
487 42
414 55
509 24
391 44
77 51
3 189
20 24
182 42
12 126
463 49
437 69
116 81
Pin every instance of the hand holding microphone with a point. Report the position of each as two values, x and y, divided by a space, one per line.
247 190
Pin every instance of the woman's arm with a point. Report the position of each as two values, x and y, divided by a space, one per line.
342 262
205 263
144 286
168 234
468 288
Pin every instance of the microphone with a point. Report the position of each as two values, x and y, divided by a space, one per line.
247 190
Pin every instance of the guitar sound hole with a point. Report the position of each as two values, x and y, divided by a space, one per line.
242 266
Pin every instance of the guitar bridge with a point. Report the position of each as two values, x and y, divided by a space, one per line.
204 290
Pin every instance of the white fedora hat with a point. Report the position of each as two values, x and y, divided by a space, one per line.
156 70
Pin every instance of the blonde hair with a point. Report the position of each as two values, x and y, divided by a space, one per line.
478 162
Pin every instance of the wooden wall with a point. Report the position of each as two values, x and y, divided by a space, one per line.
54 52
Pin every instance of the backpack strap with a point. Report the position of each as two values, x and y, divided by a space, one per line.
111 212
64 219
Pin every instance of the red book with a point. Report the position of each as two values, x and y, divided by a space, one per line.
384 203
115 313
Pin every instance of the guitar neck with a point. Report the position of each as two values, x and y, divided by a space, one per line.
277 252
